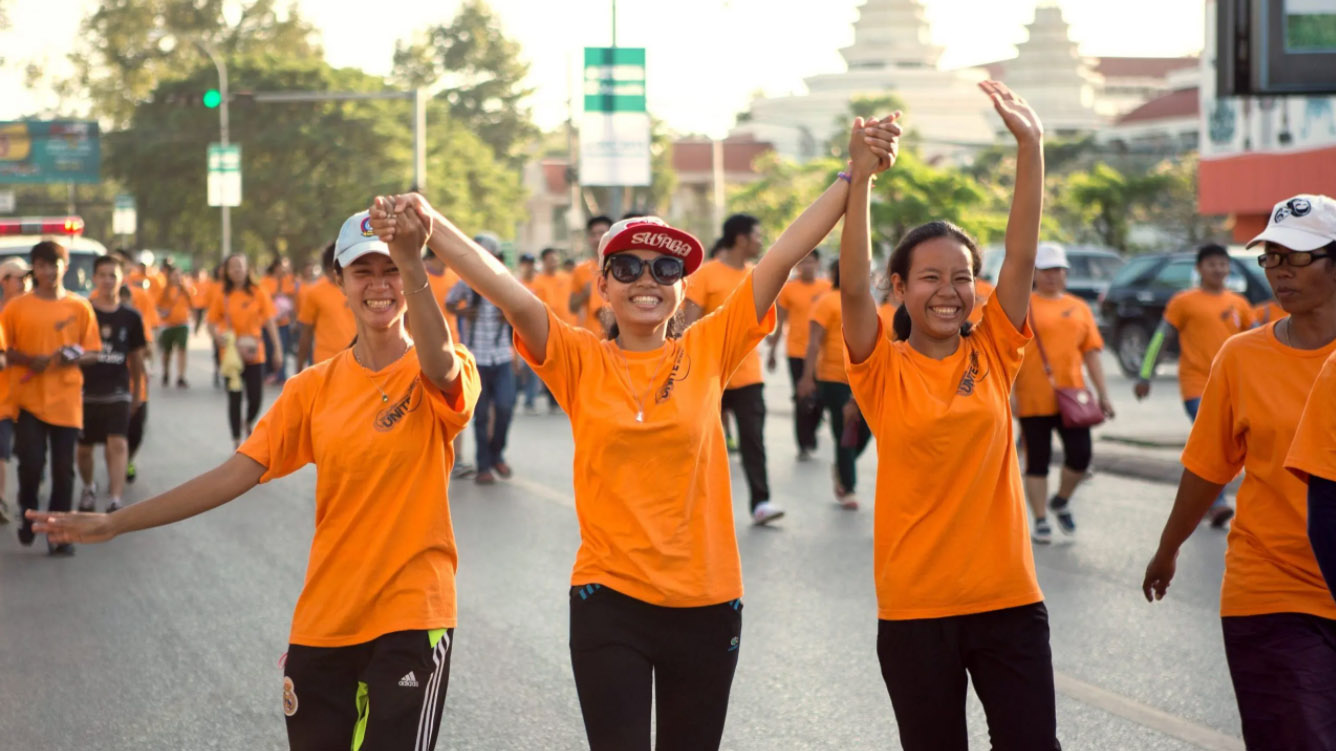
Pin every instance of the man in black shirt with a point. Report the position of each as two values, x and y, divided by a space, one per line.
113 385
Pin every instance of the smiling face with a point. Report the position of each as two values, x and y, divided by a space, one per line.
1302 289
46 275
375 291
643 303
1214 270
938 291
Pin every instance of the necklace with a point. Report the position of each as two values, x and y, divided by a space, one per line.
640 401
384 397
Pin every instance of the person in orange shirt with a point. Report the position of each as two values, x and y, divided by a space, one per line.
244 310
281 286
173 304
1264 313
794 306
1276 610
142 273
1203 319
1312 459
49 332
369 654
823 378
957 596
655 597
554 286
745 394
13 283
1065 338
328 325
202 291
585 303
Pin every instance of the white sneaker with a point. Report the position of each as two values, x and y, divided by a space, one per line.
765 513
1041 533
88 499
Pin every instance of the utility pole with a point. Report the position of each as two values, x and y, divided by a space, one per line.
222 133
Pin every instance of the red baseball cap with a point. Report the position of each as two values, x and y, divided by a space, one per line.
652 233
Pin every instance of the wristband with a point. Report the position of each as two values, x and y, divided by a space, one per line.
424 286
845 176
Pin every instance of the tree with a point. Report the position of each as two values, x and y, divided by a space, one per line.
127 47
1101 204
783 191
483 73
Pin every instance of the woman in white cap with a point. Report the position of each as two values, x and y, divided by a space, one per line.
655 607
13 282
1277 612
369 658
1066 338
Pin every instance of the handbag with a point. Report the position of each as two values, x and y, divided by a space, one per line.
1076 405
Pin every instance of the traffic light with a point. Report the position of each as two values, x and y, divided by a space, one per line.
212 98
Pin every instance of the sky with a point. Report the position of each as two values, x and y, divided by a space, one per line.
705 58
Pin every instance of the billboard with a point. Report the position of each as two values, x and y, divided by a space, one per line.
615 129
54 151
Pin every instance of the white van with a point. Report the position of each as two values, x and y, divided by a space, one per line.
17 236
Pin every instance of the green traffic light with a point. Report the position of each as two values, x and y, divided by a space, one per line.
212 98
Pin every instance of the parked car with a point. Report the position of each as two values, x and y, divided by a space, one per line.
1135 301
17 236
1093 268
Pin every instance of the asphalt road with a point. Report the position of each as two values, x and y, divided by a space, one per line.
170 638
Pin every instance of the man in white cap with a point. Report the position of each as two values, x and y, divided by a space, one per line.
13 282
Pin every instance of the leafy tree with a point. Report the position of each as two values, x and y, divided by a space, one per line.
483 73
783 190
1102 204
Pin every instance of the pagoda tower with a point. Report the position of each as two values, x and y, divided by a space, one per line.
1051 74
891 34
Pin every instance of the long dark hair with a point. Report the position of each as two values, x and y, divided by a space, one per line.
835 273
228 286
902 258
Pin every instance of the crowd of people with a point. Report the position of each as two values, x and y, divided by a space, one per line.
649 347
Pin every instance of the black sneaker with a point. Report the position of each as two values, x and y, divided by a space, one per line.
1060 509
63 549
26 535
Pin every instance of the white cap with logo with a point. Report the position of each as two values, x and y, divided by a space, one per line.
356 240
1303 223
1050 256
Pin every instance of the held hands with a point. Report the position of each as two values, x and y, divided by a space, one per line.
1159 572
61 527
387 213
874 145
1016 113
411 231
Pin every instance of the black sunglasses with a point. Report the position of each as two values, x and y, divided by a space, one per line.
1297 258
627 268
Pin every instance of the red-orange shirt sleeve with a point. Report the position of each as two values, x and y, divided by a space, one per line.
735 325
1216 446
281 441
455 412
1313 451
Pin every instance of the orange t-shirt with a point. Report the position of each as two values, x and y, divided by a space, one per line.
1248 418
174 306
797 298
1204 321
289 290
39 328
7 409
555 291
1267 312
325 309
983 290
153 283
1313 451
830 361
440 288
886 312
950 535
203 293
1068 331
654 498
244 315
711 285
585 273
146 303
383 558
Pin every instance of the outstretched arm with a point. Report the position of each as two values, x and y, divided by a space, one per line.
858 308
431 337
219 485
1016 277
478 268
872 147
1164 332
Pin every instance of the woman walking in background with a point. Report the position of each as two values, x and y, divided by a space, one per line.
174 303
243 309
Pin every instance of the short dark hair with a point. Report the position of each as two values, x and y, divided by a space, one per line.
49 251
528 257
101 261
547 252
903 256
814 255
633 215
736 226
835 273
1211 250
599 219
327 258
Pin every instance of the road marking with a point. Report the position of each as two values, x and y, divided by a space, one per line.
1145 715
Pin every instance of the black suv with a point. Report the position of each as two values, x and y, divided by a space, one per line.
1093 269
1135 301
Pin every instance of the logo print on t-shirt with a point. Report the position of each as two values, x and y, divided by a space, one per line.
60 325
1232 317
678 373
399 409
972 375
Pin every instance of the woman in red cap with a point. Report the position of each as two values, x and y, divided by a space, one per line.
655 597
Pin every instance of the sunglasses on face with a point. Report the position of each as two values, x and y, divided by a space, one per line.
627 268
1270 260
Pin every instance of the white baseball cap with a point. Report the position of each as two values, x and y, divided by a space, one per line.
1050 256
356 240
1304 222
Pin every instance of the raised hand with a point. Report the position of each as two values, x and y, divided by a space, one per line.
1016 113
874 144
410 231
61 527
